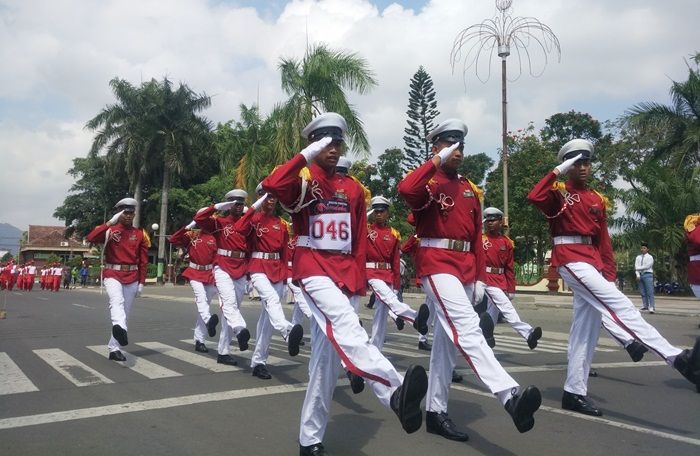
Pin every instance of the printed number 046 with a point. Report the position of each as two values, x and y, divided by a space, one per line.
333 230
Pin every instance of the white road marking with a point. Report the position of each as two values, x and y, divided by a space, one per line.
82 305
201 360
158 404
629 427
139 365
76 372
248 354
43 299
12 380
562 367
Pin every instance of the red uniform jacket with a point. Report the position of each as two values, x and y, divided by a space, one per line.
267 234
126 245
499 254
327 194
693 239
201 248
291 246
574 211
445 207
227 238
383 247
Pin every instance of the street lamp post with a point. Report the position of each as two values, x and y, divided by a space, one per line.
502 33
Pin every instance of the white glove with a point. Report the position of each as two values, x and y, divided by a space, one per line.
479 290
566 165
226 205
115 218
315 148
511 296
259 202
445 153
191 225
139 290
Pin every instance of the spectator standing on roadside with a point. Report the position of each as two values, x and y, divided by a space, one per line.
644 270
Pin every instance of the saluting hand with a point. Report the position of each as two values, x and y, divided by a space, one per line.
566 165
259 202
115 218
226 205
312 150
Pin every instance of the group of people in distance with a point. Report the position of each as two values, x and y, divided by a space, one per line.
330 256
24 276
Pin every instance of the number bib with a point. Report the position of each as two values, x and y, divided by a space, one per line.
329 226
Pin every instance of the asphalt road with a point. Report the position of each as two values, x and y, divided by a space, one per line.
60 395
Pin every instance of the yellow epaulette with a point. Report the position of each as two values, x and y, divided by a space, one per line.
288 225
604 199
365 190
396 233
146 238
512 243
479 192
305 173
691 222
559 186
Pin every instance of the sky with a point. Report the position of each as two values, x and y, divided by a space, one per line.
58 57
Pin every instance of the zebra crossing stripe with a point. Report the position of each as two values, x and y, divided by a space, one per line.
12 380
73 370
200 360
522 346
139 365
248 354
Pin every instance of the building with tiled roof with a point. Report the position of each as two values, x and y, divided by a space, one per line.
43 241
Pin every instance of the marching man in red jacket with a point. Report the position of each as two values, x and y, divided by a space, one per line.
201 250
230 267
450 263
329 215
500 277
583 254
267 267
692 237
383 275
126 260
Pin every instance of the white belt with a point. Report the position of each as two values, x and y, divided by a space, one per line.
448 244
121 267
378 266
265 255
491 270
289 264
304 241
559 240
231 253
695 257
201 267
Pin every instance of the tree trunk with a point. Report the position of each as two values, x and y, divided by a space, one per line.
138 196
163 222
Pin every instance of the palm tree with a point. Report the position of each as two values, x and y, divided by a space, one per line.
317 84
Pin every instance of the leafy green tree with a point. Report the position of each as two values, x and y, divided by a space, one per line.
565 126
475 166
6 257
422 111
316 84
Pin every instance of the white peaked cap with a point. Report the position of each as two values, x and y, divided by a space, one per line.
126 202
379 201
327 124
574 147
236 193
492 212
452 130
343 162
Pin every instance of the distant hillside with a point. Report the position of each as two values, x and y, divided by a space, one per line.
9 238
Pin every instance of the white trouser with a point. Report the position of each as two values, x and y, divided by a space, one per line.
337 335
271 316
386 302
121 297
458 328
620 336
231 295
202 299
301 308
498 302
696 290
593 296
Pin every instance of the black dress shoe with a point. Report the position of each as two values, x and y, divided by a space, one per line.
243 338
421 321
200 347
535 335
400 323
522 408
261 372
486 325
424 345
636 351
592 373
357 383
580 404
293 339
226 359
211 325
119 334
405 401
688 364
441 424
117 356
312 450
456 378
302 343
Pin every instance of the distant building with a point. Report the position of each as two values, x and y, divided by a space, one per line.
44 241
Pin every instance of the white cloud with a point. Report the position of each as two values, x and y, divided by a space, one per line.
62 54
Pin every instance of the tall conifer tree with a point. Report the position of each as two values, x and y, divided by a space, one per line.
422 111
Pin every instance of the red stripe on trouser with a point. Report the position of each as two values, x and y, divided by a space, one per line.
348 364
376 295
455 335
612 313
